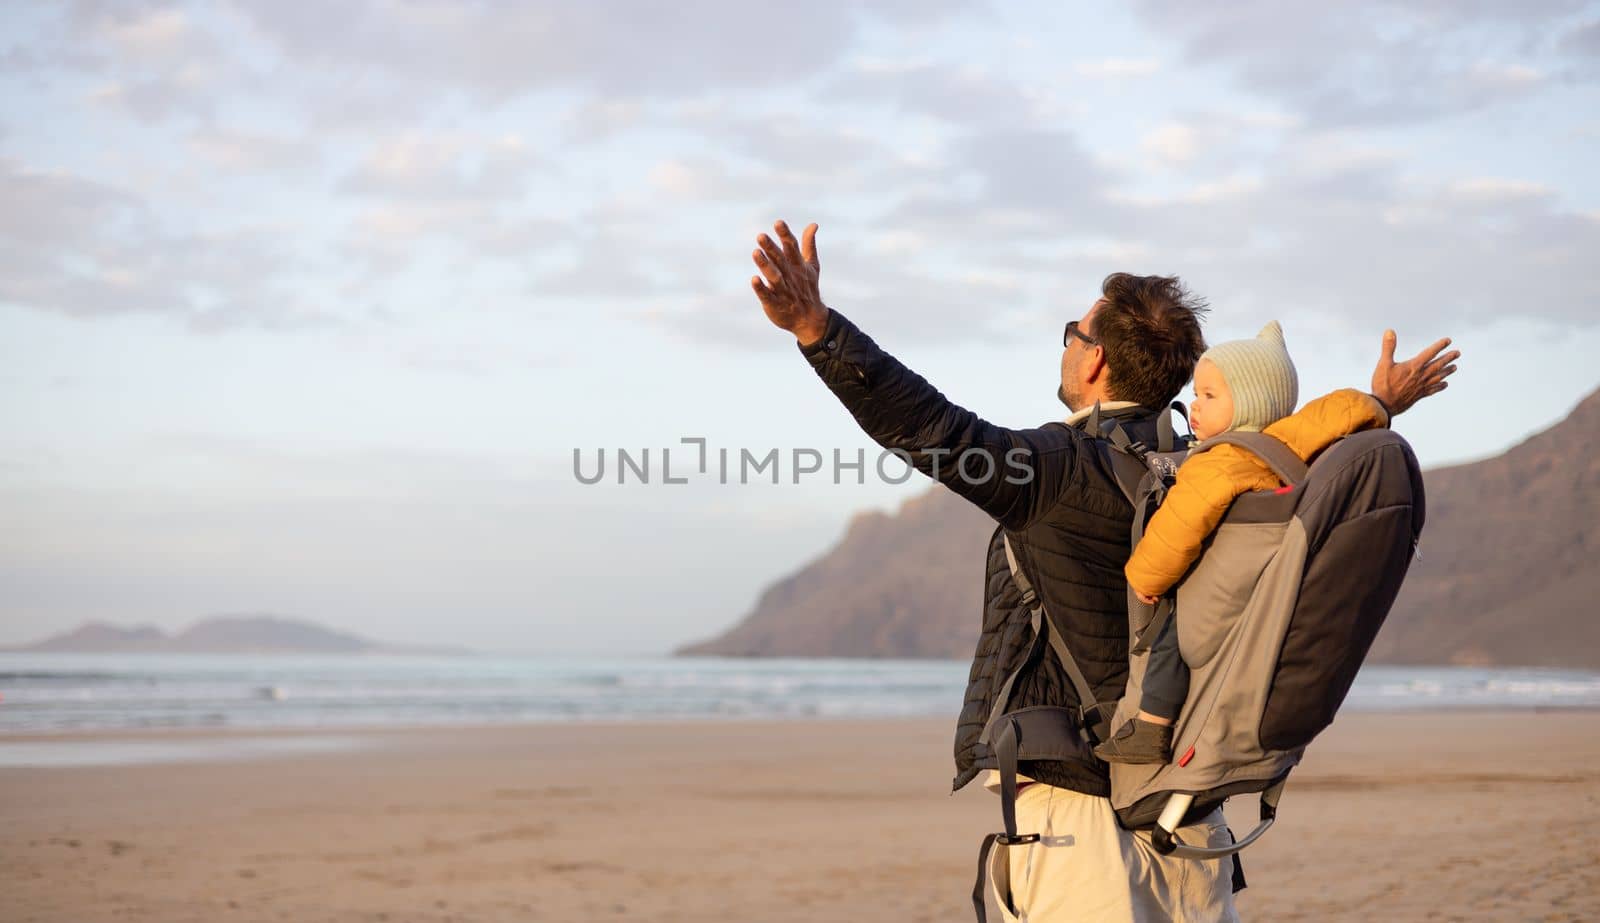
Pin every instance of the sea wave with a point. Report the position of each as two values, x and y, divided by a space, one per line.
61 692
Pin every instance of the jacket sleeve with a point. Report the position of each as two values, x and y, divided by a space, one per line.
1328 419
1013 475
1206 486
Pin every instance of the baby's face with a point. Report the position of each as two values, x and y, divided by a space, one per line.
1212 409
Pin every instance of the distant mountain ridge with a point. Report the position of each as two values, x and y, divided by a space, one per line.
906 585
230 634
1509 573
1510 567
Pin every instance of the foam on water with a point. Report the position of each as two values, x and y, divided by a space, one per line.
43 693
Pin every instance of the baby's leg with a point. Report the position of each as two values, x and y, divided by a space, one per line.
1166 678
1166 684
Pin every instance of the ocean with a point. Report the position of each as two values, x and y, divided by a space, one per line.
56 693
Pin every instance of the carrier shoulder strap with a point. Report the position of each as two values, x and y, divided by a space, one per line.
1129 463
1279 457
1132 460
1044 625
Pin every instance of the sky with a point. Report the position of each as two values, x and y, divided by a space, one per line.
320 311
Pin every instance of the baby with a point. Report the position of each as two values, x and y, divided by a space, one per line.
1247 385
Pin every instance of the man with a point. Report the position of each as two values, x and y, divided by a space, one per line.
1069 524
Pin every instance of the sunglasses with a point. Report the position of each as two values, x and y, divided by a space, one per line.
1073 331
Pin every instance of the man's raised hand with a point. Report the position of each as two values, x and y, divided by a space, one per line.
1399 385
788 282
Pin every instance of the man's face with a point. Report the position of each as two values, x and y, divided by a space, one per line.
1071 392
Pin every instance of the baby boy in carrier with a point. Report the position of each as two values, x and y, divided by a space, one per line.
1247 385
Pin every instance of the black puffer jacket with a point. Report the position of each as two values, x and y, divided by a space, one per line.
1069 524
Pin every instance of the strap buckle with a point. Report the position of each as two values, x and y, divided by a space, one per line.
1016 839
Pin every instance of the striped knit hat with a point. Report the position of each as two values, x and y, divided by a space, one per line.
1261 376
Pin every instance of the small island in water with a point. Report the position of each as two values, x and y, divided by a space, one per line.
223 634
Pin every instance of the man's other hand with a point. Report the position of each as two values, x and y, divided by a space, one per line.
788 283
1400 384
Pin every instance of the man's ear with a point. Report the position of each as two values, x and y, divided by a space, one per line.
1093 369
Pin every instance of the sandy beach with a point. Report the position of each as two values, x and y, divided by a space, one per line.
1452 816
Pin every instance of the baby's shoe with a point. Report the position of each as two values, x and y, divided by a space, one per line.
1138 741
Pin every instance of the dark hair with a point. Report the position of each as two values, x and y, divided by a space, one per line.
1150 329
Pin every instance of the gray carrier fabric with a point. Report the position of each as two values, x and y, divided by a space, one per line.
1274 620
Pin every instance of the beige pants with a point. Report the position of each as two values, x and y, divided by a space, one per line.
1086 867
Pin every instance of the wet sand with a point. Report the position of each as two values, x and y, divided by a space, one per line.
1455 816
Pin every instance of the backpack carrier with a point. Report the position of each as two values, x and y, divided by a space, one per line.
1278 613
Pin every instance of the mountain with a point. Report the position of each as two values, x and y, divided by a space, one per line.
1508 574
906 585
1510 568
235 634
99 636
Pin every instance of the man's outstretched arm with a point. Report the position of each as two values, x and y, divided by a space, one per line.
1010 474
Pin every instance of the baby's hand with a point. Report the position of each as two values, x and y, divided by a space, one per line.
1147 600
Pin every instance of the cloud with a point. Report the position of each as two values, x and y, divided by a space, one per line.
473 358
929 305
1491 189
386 63
1287 224
598 119
910 299
816 143
997 186
1203 141
602 269
1172 142
962 96
1372 61
247 151
150 33
390 240
85 249
455 202
949 168
157 100
155 62
1368 244
1117 68
645 50
435 169
1583 40
621 254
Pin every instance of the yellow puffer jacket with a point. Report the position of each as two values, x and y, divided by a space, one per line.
1208 483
